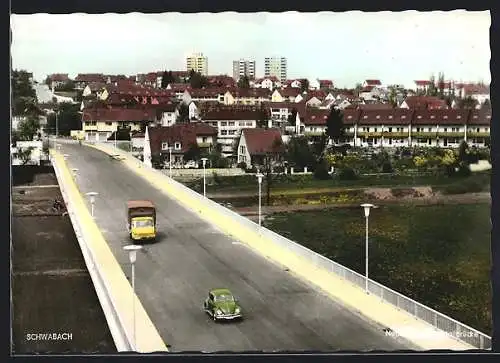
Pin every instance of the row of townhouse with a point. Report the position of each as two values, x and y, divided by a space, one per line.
403 127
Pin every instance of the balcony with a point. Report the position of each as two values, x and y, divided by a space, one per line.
392 135
314 133
478 134
450 134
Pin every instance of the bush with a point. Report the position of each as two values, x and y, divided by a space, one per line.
242 165
347 174
321 171
387 167
472 185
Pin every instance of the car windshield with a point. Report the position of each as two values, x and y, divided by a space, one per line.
145 223
224 297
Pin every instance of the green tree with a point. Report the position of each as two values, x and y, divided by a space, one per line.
23 154
23 95
292 116
272 165
335 125
467 103
304 85
196 80
167 78
263 117
183 113
68 118
441 84
432 90
28 128
299 154
244 82
193 153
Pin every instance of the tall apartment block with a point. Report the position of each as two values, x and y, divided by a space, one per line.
274 66
242 68
197 62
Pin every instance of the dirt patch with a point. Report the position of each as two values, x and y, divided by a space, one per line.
52 291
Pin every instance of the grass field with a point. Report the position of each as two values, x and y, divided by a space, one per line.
437 255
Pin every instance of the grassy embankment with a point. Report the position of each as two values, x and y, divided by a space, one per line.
437 255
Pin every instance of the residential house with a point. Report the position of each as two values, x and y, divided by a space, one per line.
259 146
58 79
177 140
137 139
422 86
372 82
35 156
153 79
115 79
285 94
325 84
370 93
445 128
314 121
203 95
229 123
83 79
93 89
478 127
178 89
246 96
99 124
167 114
221 81
383 128
314 84
423 102
270 83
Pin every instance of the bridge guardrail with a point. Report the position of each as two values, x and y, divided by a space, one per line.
436 319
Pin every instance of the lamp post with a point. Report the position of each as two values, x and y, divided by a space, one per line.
170 161
204 161
259 180
366 208
92 196
132 255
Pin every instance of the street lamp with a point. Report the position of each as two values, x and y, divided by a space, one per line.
259 179
92 196
204 161
132 255
170 160
366 208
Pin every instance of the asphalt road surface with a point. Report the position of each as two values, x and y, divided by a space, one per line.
173 276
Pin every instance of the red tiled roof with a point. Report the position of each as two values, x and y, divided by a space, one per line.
183 133
351 116
367 88
179 87
373 82
250 92
315 116
289 92
376 106
263 141
398 116
118 114
232 114
440 117
423 83
59 77
325 82
90 77
206 92
425 102
480 117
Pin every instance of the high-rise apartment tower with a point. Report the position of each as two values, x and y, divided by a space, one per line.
242 68
274 66
197 62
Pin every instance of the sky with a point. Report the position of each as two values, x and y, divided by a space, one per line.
349 47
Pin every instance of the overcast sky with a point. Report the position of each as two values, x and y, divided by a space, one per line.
395 47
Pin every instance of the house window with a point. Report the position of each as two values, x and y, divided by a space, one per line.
249 123
390 129
177 146
231 123
164 145
445 129
109 123
429 129
204 139
223 123
232 132
477 130
242 123
223 132
242 149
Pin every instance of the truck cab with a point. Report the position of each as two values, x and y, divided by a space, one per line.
141 220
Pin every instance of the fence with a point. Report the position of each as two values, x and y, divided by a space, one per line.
436 319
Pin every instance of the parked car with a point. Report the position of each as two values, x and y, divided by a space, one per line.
222 305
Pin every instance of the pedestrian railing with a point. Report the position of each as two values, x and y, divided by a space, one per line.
439 321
